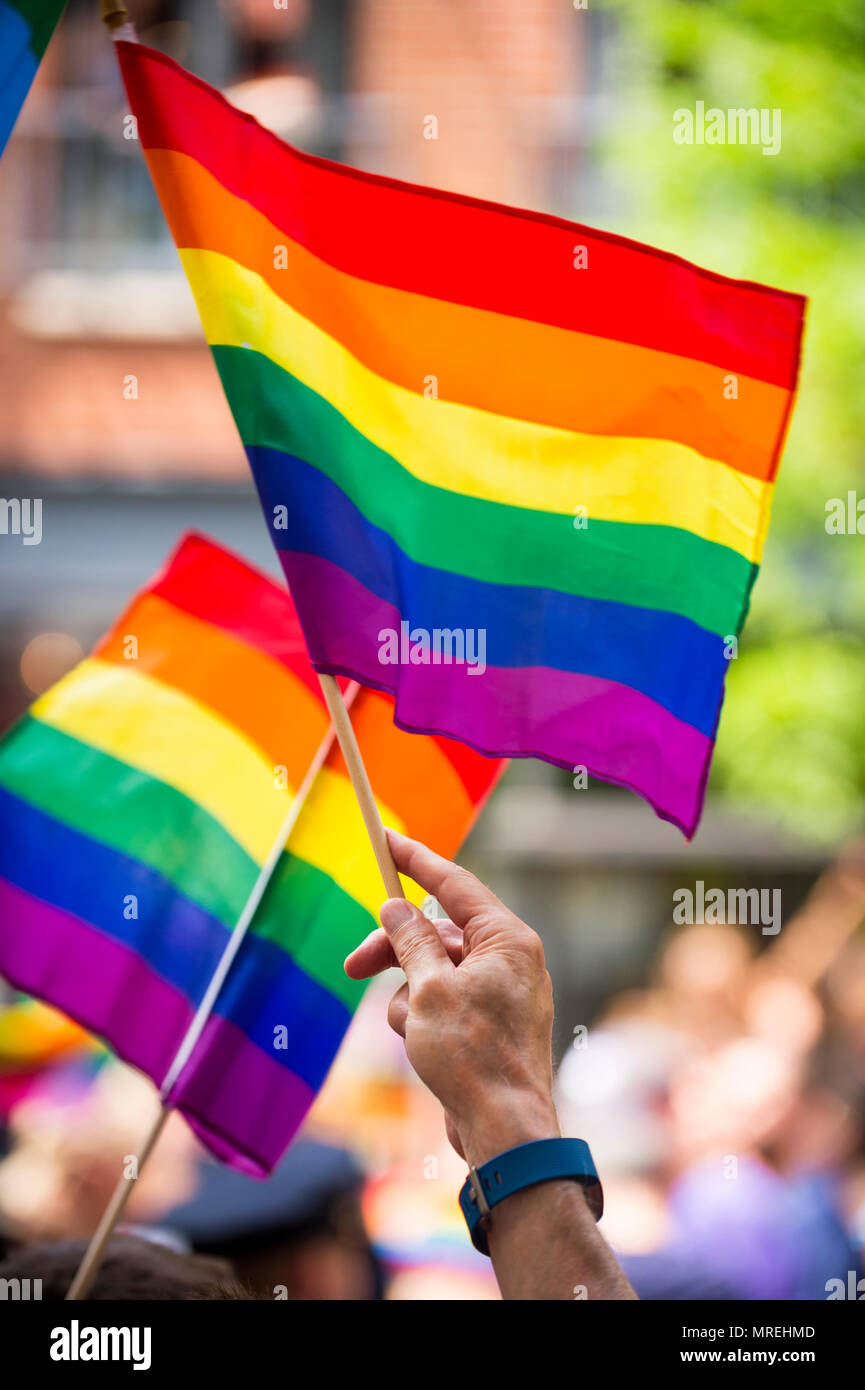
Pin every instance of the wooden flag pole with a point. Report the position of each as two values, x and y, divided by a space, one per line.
114 14
205 1008
116 19
361 784
95 1251
92 1258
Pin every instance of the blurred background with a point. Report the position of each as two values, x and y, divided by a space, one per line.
717 1072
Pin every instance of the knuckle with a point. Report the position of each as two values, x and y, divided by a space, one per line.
533 948
429 994
458 877
396 1013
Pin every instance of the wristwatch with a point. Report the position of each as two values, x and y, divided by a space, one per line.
541 1160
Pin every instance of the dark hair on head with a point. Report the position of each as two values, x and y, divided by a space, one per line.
133 1270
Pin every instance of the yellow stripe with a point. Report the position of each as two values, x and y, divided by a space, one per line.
331 835
475 452
158 730
166 734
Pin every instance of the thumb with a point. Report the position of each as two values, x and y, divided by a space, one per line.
415 941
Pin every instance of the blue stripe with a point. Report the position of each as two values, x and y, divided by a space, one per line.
288 1014
18 67
665 656
264 992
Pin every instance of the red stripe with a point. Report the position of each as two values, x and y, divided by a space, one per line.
219 588
477 773
464 250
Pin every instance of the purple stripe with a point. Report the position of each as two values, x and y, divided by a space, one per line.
617 733
95 979
243 1104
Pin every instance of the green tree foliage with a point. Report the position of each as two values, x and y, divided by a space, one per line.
792 736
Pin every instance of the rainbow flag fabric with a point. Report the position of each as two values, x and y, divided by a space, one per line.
33 1035
138 799
478 431
25 29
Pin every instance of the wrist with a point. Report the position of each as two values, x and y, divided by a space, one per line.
552 1178
504 1121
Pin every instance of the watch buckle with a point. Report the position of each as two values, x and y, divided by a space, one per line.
479 1197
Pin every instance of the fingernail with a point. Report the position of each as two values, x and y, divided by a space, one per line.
395 913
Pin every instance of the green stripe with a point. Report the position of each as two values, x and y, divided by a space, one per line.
317 922
41 17
303 911
660 567
130 812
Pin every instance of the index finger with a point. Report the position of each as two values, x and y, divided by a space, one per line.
376 954
461 894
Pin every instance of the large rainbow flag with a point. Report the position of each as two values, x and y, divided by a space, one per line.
25 29
138 799
488 424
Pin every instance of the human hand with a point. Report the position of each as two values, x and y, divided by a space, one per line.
476 1010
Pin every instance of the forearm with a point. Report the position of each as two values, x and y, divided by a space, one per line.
543 1241
476 1013
545 1245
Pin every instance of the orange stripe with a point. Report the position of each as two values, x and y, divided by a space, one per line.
251 691
477 773
507 365
410 773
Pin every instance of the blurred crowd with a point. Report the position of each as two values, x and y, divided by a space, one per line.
726 1107
724 1102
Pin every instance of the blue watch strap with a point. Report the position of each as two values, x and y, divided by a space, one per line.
541 1160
